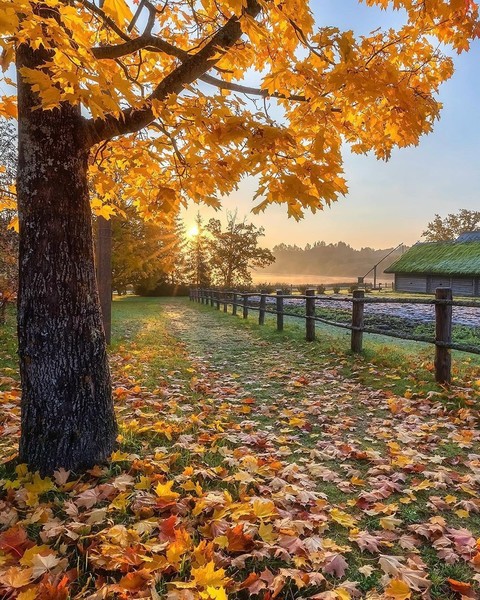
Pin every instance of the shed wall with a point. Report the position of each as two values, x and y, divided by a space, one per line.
411 283
461 286
436 281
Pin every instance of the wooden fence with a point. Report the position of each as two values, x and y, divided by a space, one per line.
443 303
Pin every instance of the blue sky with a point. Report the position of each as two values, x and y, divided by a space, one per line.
391 202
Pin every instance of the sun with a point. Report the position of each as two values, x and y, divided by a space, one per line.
192 232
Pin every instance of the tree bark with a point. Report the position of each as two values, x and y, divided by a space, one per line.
67 409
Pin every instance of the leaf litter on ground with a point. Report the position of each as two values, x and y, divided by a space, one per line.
248 468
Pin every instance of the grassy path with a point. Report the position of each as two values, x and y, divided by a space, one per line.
361 448
252 464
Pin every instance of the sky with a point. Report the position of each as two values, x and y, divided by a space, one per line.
388 203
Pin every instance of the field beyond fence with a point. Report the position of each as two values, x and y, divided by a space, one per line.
281 305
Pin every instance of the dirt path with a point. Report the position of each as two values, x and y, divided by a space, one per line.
301 390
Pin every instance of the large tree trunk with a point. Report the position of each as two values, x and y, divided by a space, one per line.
67 410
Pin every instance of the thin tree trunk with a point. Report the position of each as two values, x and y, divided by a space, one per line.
67 410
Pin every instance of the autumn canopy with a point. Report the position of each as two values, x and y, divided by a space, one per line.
145 103
169 71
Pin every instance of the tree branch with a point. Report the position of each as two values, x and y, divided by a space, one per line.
235 87
146 41
105 18
131 119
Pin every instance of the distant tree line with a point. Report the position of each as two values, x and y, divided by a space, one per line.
320 258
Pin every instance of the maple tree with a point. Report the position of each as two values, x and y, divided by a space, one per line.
122 97
235 251
451 226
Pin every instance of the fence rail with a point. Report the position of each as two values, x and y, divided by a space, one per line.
443 303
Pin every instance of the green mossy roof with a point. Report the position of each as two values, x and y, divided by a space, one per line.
440 258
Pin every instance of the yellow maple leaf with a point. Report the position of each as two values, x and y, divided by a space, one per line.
36 487
213 593
266 533
342 594
263 509
144 483
175 552
389 523
120 502
118 456
30 553
209 576
342 518
164 492
118 10
398 590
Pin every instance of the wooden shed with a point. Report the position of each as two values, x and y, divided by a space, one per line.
427 266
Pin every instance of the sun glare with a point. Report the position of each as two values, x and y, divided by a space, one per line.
193 231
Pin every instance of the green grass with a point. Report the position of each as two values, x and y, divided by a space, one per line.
409 364
140 326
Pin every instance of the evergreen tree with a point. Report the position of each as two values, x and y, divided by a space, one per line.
198 259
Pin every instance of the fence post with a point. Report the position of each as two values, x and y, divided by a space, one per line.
217 298
212 295
234 307
261 312
225 301
443 335
202 296
245 306
279 310
357 320
310 315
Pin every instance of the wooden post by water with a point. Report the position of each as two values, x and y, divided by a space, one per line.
234 307
279 310
443 335
310 315
245 306
261 312
357 320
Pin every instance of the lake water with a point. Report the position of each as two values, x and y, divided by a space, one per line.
265 277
